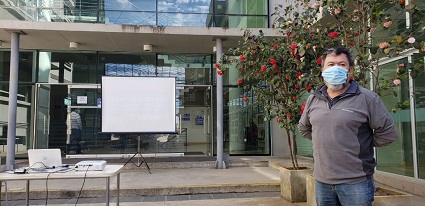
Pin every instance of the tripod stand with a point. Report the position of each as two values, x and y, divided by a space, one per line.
138 157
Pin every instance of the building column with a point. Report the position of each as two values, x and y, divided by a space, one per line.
13 100
220 163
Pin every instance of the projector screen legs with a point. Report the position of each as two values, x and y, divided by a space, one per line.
138 157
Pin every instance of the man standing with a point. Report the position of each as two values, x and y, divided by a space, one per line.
345 122
76 127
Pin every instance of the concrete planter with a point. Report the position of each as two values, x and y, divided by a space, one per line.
293 184
384 196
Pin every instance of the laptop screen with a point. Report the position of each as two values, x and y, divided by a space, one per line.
44 158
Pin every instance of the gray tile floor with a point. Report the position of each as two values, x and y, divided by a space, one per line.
145 199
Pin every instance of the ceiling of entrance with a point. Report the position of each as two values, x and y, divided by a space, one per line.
56 36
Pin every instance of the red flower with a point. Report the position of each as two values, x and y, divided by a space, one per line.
289 116
277 120
297 86
299 74
319 60
217 65
263 68
272 61
308 87
219 72
293 47
274 46
245 99
276 69
239 81
242 58
242 69
288 33
302 108
333 34
294 99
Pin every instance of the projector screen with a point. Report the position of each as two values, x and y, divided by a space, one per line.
138 104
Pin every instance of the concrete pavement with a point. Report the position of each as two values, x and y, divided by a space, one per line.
247 181
174 181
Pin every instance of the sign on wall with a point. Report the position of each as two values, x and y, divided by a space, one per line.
81 99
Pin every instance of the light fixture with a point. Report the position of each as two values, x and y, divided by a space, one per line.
214 49
147 47
73 45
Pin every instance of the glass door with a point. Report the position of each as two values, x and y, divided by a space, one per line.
193 117
42 111
85 101
194 113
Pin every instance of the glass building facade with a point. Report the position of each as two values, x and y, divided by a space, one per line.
51 80
214 13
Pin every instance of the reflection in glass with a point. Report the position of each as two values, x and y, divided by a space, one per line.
184 6
129 5
23 118
397 157
128 17
244 128
181 19
419 91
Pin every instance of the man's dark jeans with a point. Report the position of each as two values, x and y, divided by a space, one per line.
76 139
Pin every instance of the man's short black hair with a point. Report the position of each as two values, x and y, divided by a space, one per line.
338 51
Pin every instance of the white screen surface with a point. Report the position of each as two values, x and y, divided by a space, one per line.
138 104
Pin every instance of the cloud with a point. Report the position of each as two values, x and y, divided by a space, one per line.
182 1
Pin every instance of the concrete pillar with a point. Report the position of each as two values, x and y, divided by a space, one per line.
13 100
220 163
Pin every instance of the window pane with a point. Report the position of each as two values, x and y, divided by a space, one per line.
397 157
180 19
61 67
188 69
23 118
245 131
419 88
257 7
130 5
116 64
241 21
127 17
26 67
202 7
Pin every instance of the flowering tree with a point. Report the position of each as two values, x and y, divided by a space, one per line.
281 71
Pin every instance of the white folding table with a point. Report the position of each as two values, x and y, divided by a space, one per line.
107 173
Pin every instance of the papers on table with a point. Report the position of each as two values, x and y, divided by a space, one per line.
48 170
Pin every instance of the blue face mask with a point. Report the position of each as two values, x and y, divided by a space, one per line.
335 75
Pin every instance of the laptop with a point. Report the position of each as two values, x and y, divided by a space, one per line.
44 158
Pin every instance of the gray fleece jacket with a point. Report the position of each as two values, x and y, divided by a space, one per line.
344 131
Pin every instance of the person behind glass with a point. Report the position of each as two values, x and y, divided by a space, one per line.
345 122
76 127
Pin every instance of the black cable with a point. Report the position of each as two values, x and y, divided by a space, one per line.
84 180
45 167
47 190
